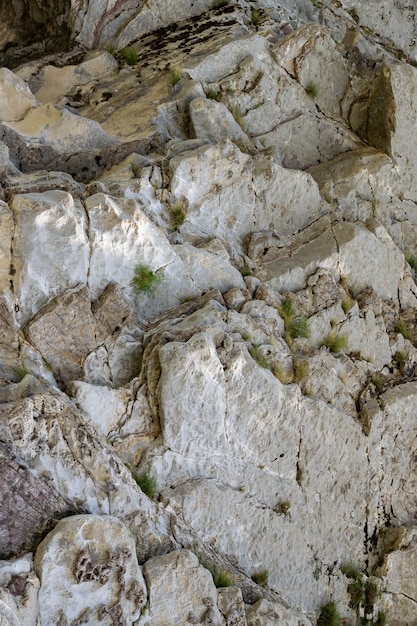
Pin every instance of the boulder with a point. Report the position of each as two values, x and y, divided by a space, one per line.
89 571
180 591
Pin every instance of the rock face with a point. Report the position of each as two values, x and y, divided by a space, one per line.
208 313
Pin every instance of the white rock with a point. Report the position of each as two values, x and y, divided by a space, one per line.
104 406
16 99
50 250
88 570
392 111
122 237
179 587
212 120
265 613
216 181
286 200
64 131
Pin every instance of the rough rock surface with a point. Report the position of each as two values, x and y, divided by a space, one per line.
208 312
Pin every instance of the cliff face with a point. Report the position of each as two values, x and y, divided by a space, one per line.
208 220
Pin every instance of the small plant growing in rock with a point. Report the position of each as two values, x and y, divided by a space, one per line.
334 342
300 370
212 94
256 17
130 55
412 261
347 304
260 578
144 280
279 372
237 114
312 90
401 358
111 50
405 329
221 578
329 615
298 328
146 483
175 76
177 215
378 380
350 571
246 271
257 356
282 508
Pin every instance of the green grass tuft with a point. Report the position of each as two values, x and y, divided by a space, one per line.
406 330
257 356
350 571
256 17
412 261
212 94
130 55
146 483
177 215
334 342
260 578
312 90
298 328
175 76
329 615
144 281
221 578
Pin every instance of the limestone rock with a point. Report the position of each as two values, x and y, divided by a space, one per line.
63 332
180 589
88 570
50 248
391 115
61 130
122 238
264 613
229 177
212 120
52 439
56 82
16 98
286 200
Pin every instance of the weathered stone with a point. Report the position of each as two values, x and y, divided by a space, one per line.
112 310
16 99
264 613
357 184
212 120
89 571
64 333
180 590
227 174
50 248
392 111
122 237
6 234
29 503
61 130
55 82
286 200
